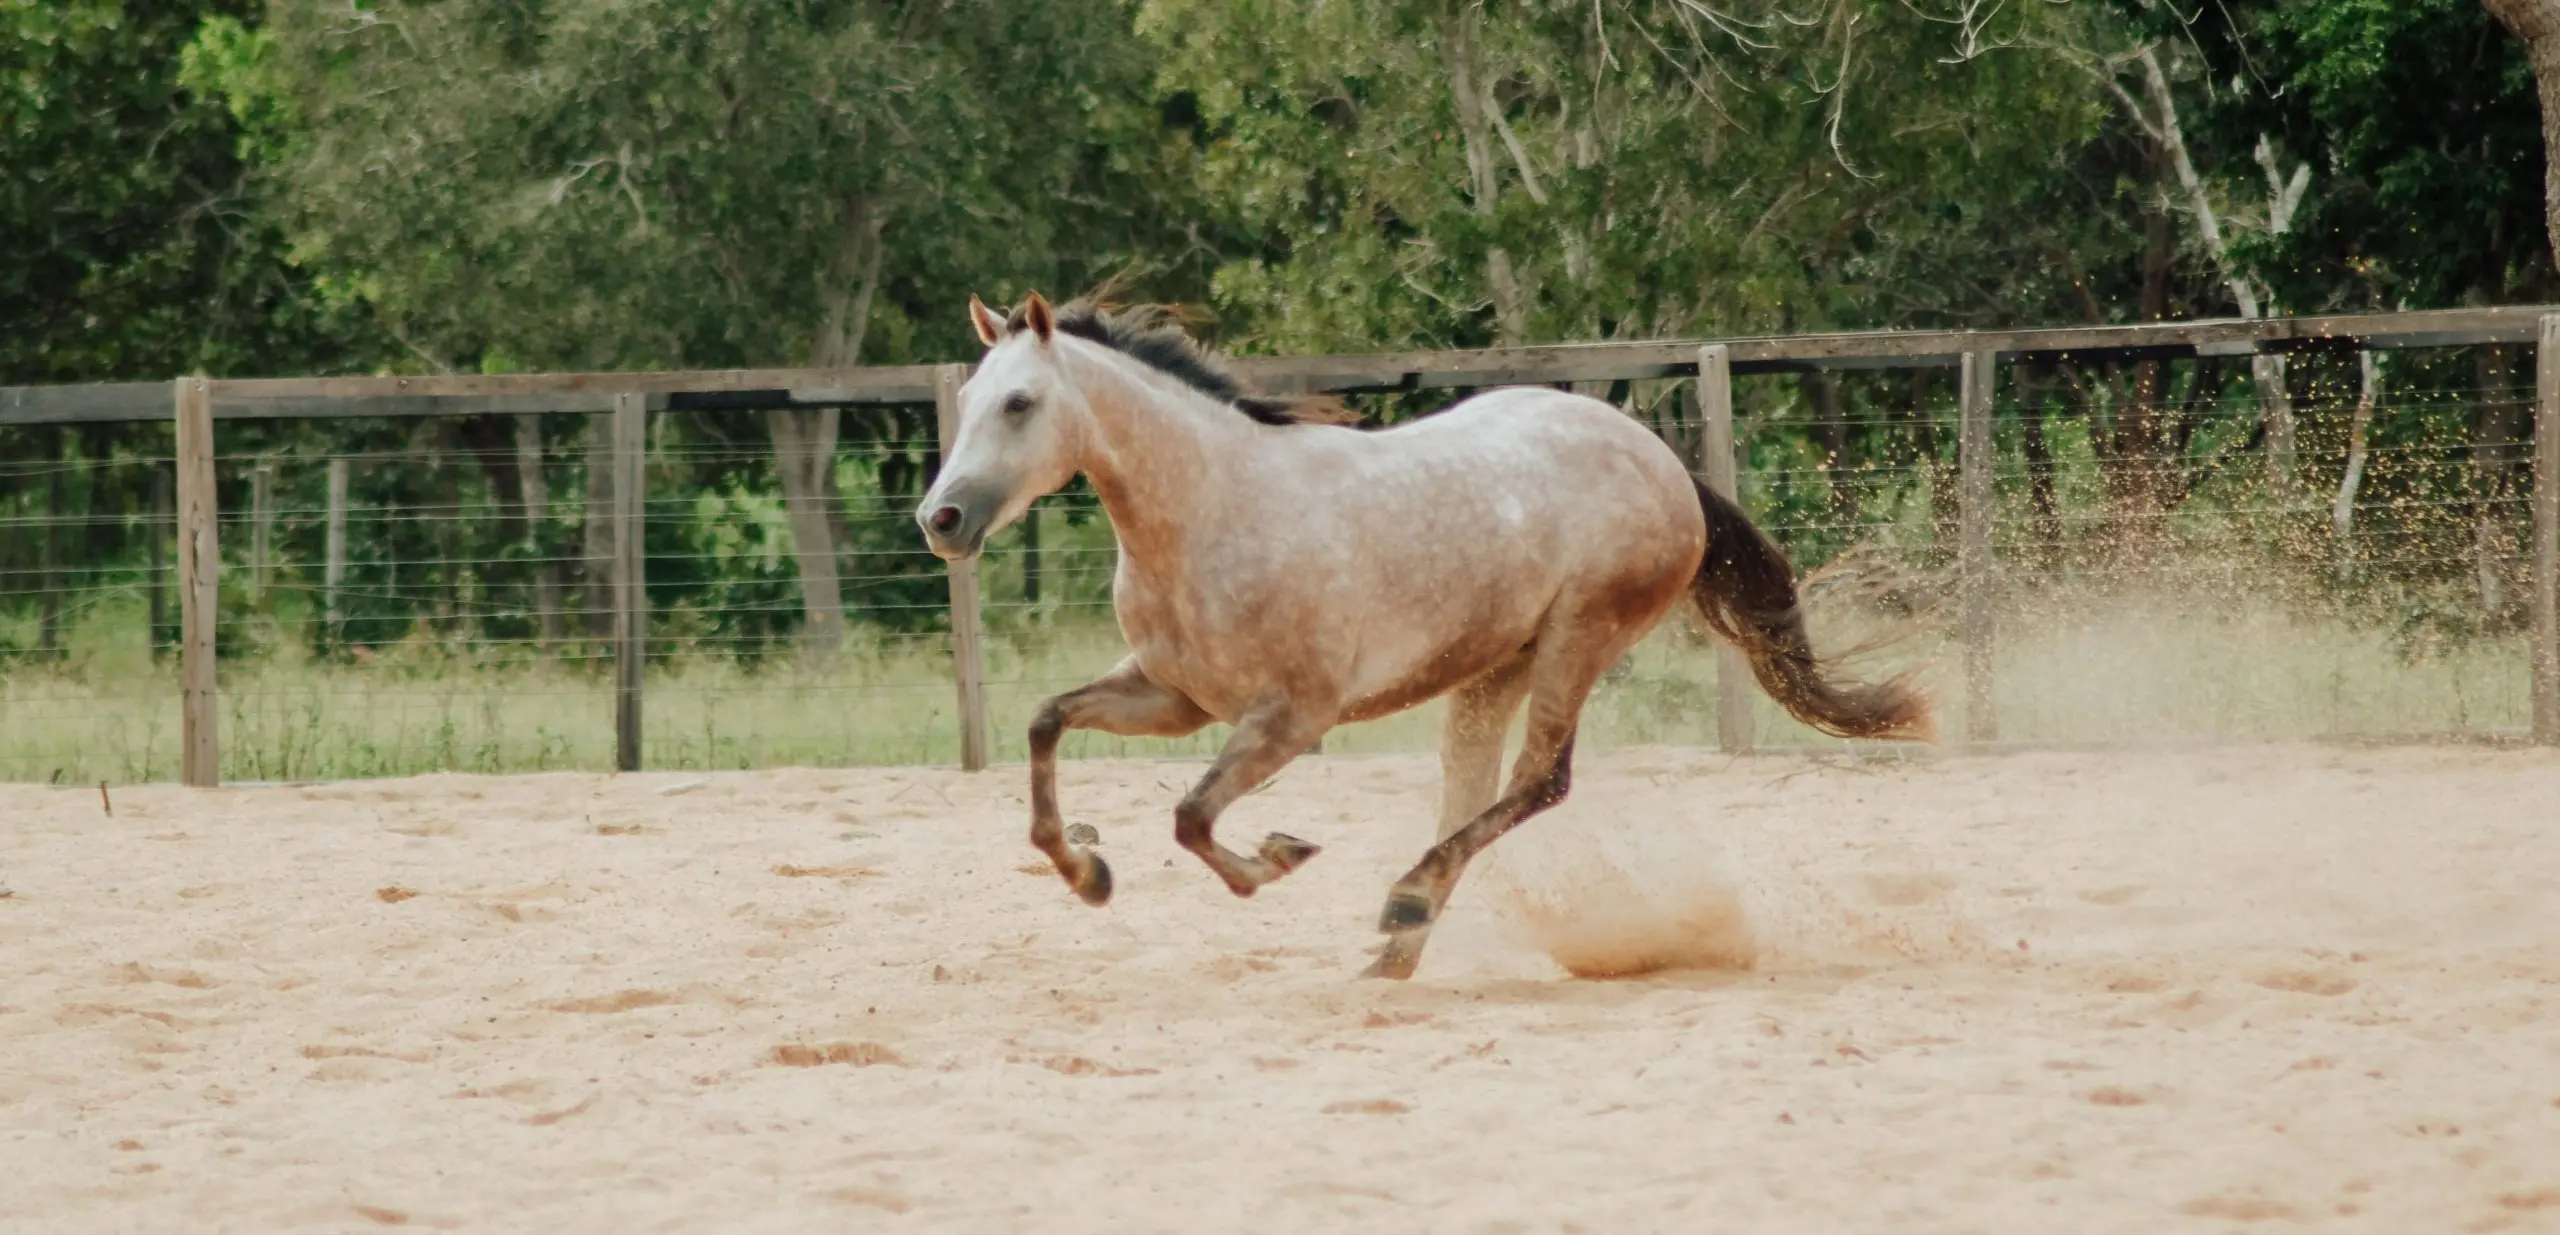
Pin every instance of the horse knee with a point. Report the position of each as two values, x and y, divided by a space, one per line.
1192 825
1047 726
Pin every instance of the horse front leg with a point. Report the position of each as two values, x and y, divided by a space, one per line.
1266 738
1124 701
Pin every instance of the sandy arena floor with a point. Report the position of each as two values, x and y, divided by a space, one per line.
2287 986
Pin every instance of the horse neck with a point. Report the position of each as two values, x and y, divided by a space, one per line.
1153 458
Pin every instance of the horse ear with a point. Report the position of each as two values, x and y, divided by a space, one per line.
990 327
1036 315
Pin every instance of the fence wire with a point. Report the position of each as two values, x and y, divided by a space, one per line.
406 596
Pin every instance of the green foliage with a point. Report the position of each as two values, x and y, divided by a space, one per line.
133 249
665 183
1643 169
312 186
2423 123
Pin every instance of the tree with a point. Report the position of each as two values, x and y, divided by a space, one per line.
134 251
2537 24
680 183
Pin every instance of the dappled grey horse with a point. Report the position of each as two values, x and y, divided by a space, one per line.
1283 572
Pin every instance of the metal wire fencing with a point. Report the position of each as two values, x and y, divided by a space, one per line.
2174 560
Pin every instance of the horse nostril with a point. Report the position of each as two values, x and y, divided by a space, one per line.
946 519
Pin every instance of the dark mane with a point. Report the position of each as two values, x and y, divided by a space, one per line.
1148 335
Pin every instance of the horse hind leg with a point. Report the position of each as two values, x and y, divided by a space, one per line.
1266 738
1566 662
1124 701
1479 714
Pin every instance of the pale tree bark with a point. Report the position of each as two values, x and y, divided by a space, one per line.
2284 197
2342 511
597 528
804 455
804 439
537 538
2494 455
2537 23
1459 37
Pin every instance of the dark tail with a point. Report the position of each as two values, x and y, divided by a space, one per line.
1747 592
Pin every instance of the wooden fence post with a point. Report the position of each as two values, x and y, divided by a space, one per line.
2546 534
968 630
199 588
630 580
1981 376
1722 472
333 569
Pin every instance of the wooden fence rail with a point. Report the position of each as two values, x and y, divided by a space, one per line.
628 398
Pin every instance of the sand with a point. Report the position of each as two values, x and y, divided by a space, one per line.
2285 986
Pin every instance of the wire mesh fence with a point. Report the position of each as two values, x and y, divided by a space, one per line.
2178 555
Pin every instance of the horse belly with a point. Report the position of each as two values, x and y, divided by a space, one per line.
1438 641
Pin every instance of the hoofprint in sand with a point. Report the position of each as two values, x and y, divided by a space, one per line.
2135 992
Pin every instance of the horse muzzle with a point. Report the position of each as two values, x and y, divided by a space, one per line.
955 527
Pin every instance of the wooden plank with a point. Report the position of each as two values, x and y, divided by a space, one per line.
463 394
1974 461
104 401
333 407
1720 465
848 383
2546 534
968 634
199 587
630 578
333 574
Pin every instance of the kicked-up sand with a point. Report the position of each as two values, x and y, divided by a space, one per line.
2266 988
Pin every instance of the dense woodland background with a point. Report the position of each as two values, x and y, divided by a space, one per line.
302 187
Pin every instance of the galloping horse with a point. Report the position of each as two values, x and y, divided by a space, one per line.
1284 573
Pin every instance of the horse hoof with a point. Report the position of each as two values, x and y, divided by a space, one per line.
1095 887
1406 910
1392 966
1286 853
1083 834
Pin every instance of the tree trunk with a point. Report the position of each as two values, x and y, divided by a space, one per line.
50 555
1831 433
537 535
2034 382
1458 47
162 505
804 439
1031 555
2342 511
598 530
2137 467
804 453
262 527
2494 454
452 578
2537 23
2275 411
1939 471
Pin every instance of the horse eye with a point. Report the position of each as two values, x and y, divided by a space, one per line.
1017 403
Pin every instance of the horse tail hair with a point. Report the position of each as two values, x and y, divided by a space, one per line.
1746 591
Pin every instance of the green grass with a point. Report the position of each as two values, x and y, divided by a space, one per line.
2071 667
